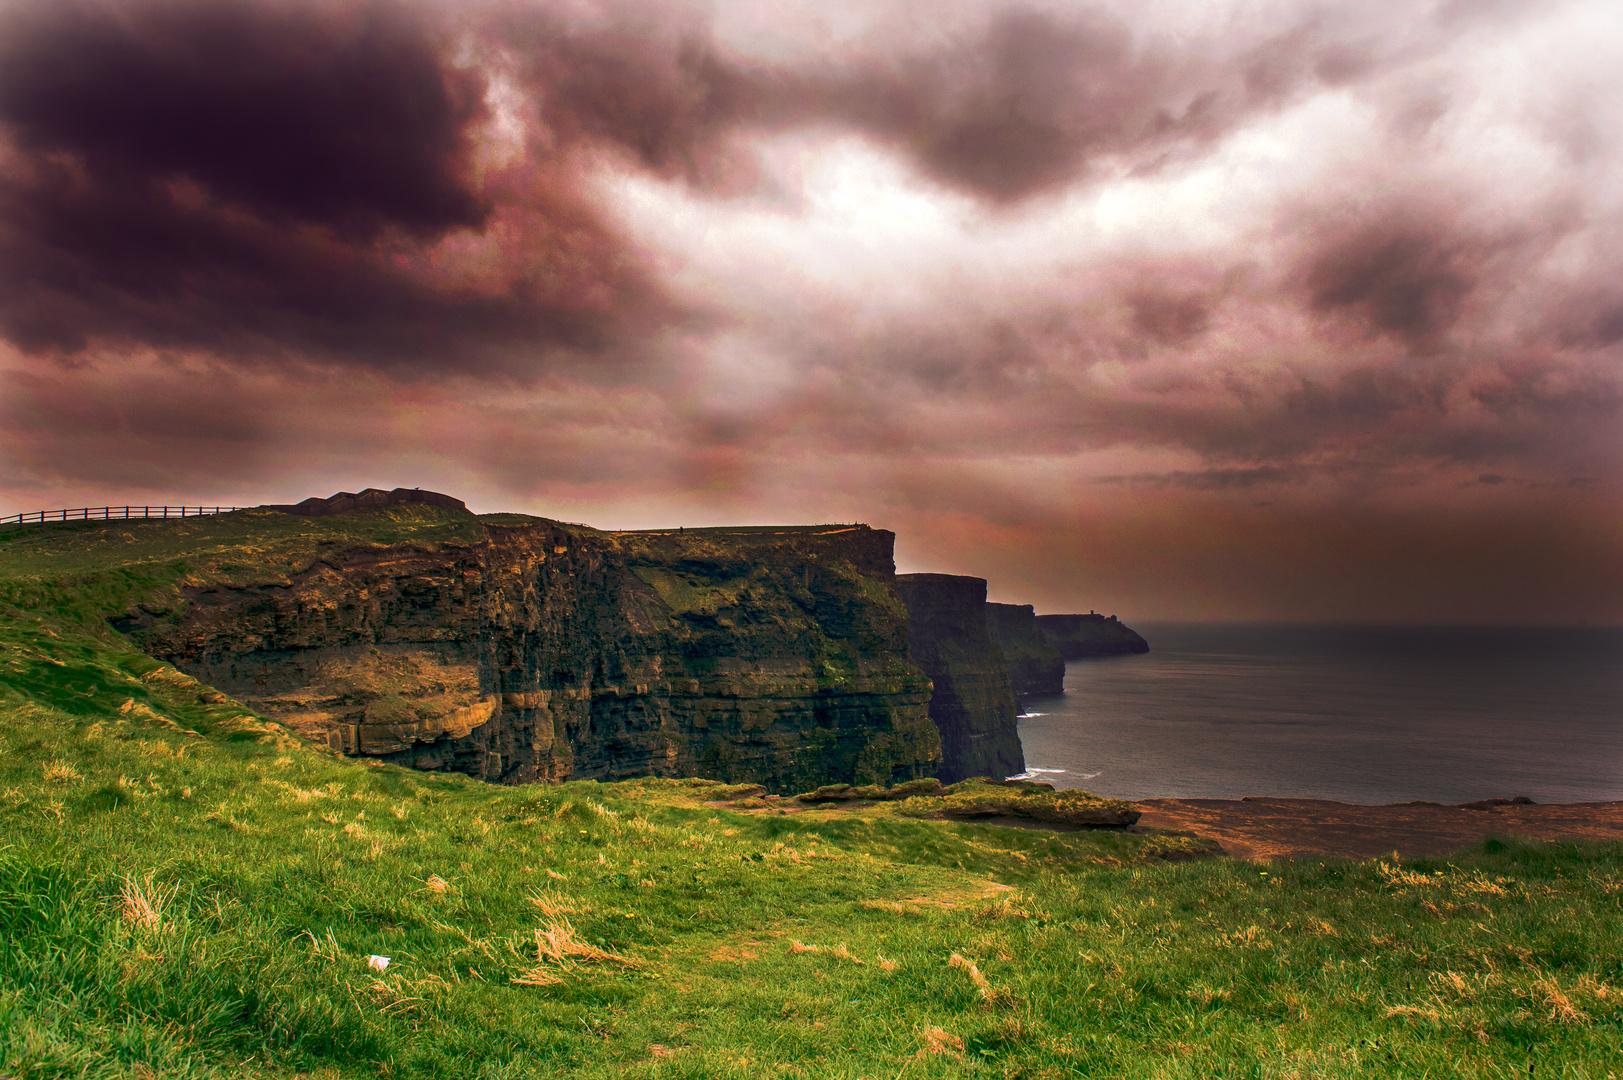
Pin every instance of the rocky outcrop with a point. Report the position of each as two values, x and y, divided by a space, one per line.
973 705
1035 666
365 499
1016 802
552 652
1078 636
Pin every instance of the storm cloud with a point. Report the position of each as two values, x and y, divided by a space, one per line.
992 273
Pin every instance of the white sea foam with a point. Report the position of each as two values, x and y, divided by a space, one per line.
1032 773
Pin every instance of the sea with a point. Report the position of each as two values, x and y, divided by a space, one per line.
1362 714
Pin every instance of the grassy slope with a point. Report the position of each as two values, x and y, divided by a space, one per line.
203 905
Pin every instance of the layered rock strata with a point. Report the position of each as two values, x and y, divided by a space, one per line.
552 652
973 704
1078 636
1035 666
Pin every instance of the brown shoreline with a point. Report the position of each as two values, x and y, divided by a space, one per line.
1265 828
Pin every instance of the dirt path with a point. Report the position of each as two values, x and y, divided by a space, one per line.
1256 828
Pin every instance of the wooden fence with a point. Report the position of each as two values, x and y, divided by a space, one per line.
113 513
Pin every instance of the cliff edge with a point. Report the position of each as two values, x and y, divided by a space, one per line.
973 704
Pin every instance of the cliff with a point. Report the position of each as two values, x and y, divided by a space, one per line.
1035 665
973 704
526 649
1077 636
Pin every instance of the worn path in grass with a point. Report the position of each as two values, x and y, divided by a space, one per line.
1262 828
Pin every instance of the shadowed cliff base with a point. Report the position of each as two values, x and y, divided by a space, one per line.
973 705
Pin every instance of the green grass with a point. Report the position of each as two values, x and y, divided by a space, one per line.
980 795
74 576
187 891
204 905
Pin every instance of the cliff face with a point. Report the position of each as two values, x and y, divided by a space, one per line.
1035 666
973 705
1077 636
557 652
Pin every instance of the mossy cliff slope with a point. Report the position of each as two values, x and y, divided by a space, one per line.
1078 636
1035 666
973 705
520 649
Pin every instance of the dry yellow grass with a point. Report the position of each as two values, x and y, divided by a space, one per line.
969 968
939 1041
141 903
555 905
61 772
557 950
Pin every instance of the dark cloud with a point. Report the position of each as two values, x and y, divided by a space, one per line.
1589 320
345 117
654 87
275 180
1169 318
1402 275
279 181
1014 110
1014 105
1031 102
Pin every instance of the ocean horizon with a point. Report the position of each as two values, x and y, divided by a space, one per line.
1360 714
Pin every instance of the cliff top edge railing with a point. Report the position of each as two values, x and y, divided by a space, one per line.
112 513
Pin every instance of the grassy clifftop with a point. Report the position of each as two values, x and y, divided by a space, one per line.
77 575
185 891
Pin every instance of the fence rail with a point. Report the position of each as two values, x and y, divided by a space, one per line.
113 513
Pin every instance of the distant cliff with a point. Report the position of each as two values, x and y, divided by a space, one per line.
1077 636
1035 665
545 651
973 704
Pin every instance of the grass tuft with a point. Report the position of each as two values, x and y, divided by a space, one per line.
141 903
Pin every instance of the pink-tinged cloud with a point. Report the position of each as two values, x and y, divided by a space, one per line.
1288 310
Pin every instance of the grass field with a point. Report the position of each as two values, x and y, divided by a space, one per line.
186 891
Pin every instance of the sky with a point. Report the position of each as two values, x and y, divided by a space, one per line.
1257 310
